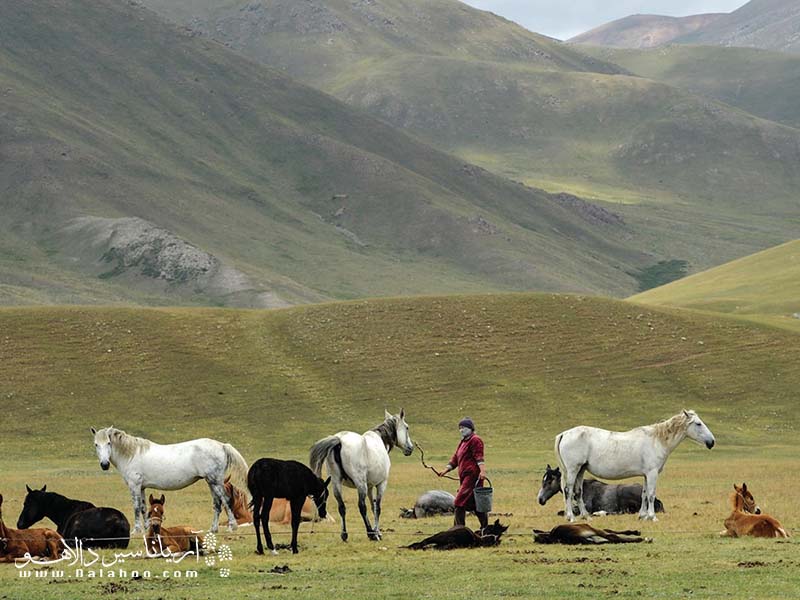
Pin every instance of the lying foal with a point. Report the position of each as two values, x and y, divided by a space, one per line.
166 540
16 543
583 533
463 537
742 521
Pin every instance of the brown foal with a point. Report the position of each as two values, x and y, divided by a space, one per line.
742 520
16 543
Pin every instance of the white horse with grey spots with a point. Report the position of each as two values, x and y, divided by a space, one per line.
362 462
145 464
617 455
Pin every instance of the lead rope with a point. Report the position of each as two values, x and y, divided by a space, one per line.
427 466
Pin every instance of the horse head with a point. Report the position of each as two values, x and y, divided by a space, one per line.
551 484
102 445
321 498
34 508
743 500
697 430
402 437
156 514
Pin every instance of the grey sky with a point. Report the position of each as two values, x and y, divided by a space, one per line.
564 19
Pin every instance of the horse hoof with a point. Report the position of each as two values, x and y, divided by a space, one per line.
344 537
274 552
259 551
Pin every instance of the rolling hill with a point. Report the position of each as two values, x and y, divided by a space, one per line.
697 180
763 286
644 31
761 82
142 163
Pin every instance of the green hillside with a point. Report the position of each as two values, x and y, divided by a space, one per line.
505 360
142 163
760 82
766 284
536 111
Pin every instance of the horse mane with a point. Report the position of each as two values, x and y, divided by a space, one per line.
388 432
125 444
667 431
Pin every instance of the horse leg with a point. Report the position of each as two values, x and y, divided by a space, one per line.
217 498
257 522
297 511
337 493
143 508
584 514
362 508
651 479
137 497
265 523
376 509
568 485
643 507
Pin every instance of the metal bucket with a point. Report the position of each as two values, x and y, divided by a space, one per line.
483 497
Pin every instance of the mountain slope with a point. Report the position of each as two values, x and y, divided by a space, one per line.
764 284
536 111
142 163
763 83
644 31
766 24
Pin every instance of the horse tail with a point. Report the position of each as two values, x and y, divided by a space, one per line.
558 452
322 450
235 466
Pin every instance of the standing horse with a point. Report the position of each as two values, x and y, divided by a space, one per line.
362 462
144 464
95 527
281 511
32 542
617 455
746 518
269 478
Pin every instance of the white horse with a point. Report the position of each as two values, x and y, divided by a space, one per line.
362 462
616 455
145 464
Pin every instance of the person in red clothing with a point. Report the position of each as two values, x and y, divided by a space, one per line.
471 471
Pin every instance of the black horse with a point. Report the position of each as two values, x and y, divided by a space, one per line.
461 536
95 527
600 497
583 533
270 478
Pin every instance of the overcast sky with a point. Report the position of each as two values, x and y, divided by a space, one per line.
564 19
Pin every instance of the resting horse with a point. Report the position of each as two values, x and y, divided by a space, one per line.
362 462
617 455
583 533
746 518
461 536
163 541
95 527
431 503
599 497
33 542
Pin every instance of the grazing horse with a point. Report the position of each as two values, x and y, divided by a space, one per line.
617 455
269 478
144 464
431 503
162 540
32 542
362 462
94 527
281 511
461 536
599 497
746 518
583 533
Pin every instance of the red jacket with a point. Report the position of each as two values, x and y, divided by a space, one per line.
468 457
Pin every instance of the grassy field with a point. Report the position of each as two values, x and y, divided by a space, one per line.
523 366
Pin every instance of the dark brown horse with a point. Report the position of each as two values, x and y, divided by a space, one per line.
746 518
584 533
281 511
34 542
166 540
461 536
270 478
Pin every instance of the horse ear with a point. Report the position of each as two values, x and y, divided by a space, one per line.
163 499
386 414
402 413
744 486
549 468
152 500
227 479
27 487
327 481
685 413
736 487
44 488
93 430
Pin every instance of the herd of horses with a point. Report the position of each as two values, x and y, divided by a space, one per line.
289 491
